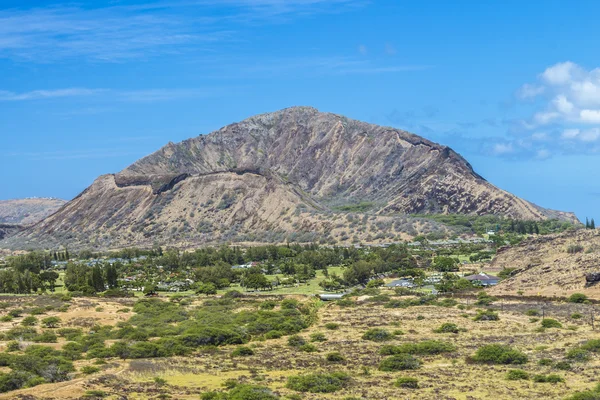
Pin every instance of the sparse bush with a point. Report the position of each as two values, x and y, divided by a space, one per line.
268 305
544 362
332 326
377 335
318 383
399 362
29 321
407 382
308 348
563 365
576 316
533 313
334 357
318 337
578 355
486 315
499 354
574 249
51 322
242 351
296 341
447 327
578 298
551 323
89 369
426 347
552 378
517 374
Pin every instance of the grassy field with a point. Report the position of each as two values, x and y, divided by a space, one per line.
441 376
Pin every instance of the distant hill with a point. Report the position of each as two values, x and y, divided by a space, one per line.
286 175
28 211
552 265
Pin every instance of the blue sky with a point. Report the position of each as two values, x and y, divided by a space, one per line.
87 88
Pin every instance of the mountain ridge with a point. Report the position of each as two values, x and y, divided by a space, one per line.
297 162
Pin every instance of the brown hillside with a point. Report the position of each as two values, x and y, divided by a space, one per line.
546 267
277 177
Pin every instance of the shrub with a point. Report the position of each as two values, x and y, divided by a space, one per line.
308 348
447 327
51 322
89 369
552 378
593 394
532 312
517 374
407 382
484 299
544 362
551 323
332 326
377 335
95 394
15 313
45 337
37 311
296 341
250 392
242 351
592 345
288 304
578 355
426 347
6 318
273 334
334 357
318 337
576 316
486 315
574 248
29 321
499 354
268 305
318 383
577 298
399 362
563 365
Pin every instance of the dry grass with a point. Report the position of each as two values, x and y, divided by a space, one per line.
447 376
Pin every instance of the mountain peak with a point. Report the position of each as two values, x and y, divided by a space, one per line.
262 173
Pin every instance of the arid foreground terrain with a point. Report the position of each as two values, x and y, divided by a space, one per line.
370 346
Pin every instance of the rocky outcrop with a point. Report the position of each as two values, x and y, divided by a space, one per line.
547 265
283 173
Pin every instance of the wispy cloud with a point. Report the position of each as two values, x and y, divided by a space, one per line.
136 96
119 33
47 94
325 66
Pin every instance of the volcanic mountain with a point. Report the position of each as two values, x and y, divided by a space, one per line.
275 177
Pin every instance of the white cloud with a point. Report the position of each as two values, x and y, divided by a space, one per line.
528 91
570 133
586 135
590 116
563 105
47 94
121 32
572 96
561 73
502 148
